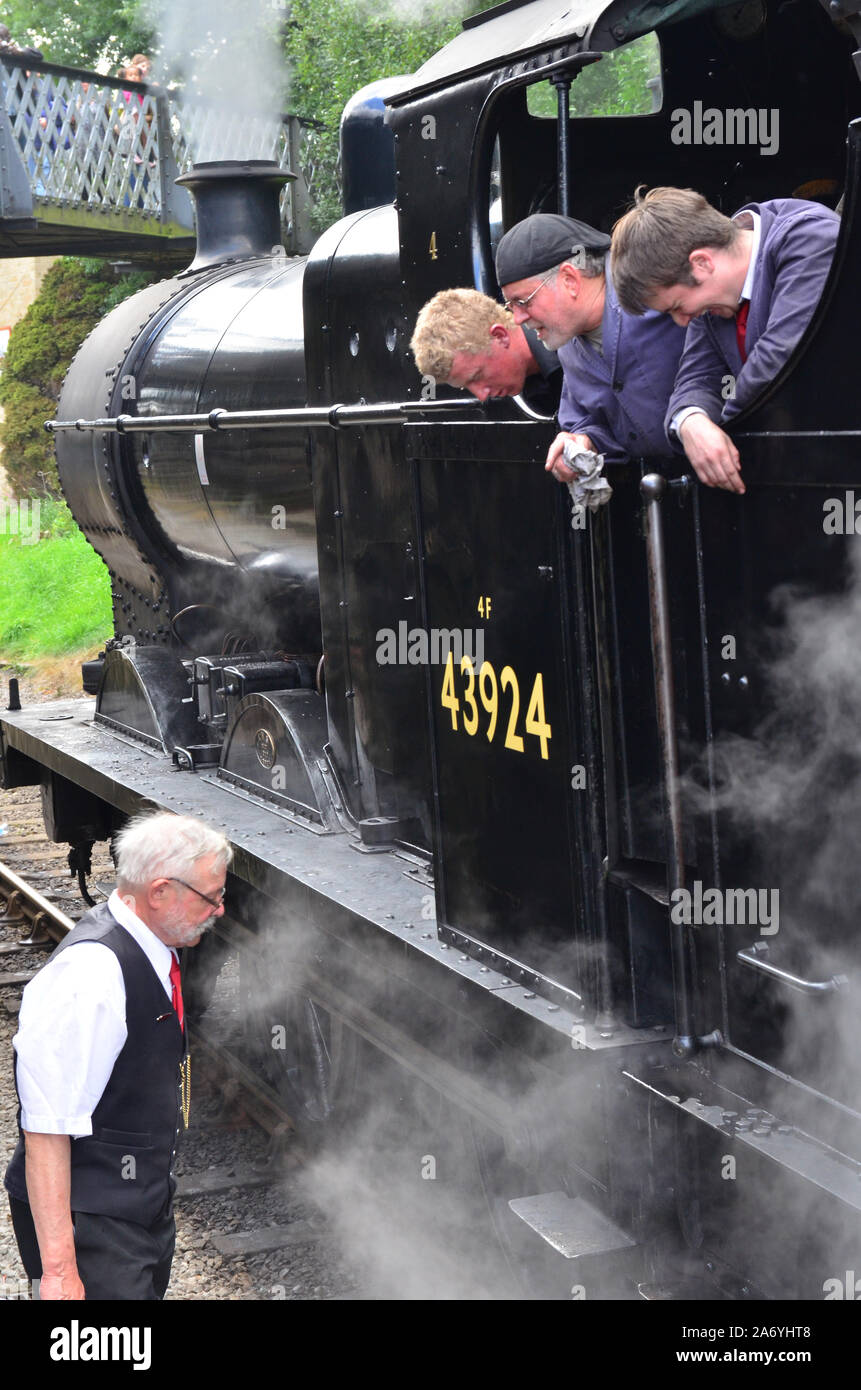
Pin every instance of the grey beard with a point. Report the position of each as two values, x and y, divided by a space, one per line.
549 338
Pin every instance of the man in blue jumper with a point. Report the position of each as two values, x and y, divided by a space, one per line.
619 370
101 1070
746 285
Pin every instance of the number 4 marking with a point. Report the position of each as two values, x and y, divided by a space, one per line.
536 723
449 699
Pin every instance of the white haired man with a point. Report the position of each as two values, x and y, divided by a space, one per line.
102 1074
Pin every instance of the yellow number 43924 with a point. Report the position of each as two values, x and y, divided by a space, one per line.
489 687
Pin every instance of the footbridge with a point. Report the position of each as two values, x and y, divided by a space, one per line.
88 164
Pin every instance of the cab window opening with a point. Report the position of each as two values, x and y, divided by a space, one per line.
522 175
626 82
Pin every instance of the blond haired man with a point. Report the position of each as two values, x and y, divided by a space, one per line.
466 339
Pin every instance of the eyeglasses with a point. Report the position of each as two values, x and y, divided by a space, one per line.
213 902
510 304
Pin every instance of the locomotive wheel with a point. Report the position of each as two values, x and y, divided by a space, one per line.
502 1178
201 967
309 1056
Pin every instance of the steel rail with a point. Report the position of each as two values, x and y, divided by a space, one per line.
22 897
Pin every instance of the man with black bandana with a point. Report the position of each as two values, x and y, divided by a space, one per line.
618 369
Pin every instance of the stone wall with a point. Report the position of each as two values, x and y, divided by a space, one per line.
20 282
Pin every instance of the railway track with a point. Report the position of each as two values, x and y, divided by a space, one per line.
25 907
245 1230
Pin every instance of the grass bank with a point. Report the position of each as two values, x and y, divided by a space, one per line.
55 593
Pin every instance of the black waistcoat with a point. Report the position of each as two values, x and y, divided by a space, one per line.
124 1167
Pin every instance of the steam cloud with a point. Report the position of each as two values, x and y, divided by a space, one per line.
790 796
413 1192
229 61
794 788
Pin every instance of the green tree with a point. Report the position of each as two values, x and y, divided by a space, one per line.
337 46
80 33
331 49
618 85
75 294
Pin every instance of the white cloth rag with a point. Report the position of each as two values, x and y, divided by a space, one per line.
588 488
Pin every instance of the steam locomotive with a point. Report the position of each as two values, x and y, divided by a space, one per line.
559 818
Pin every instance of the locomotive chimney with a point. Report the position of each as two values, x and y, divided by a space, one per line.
237 207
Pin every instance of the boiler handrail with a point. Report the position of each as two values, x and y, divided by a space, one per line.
311 417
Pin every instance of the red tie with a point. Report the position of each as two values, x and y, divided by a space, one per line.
741 328
176 987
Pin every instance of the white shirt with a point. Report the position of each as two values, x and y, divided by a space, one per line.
72 1028
747 287
746 294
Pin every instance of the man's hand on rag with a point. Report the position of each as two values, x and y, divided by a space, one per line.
556 463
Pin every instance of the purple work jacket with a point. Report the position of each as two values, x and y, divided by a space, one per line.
619 397
796 246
